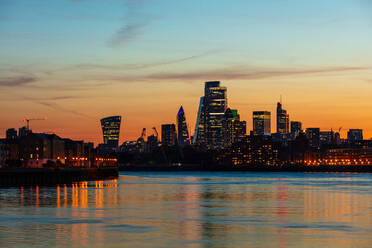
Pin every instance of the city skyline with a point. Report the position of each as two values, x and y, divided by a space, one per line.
111 126
139 58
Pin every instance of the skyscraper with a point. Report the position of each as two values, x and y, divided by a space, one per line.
211 116
183 133
168 134
282 120
111 131
234 130
261 123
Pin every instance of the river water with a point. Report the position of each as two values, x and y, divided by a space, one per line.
193 209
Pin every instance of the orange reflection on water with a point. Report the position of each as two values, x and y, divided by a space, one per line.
58 196
65 195
99 194
22 201
37 197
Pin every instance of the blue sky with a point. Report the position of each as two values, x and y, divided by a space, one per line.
257 32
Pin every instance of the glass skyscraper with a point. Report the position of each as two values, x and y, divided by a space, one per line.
111 130
282 120
261 123
199 126
183 133
209 129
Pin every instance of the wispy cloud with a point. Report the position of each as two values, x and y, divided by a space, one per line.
237 73
50 103
124 67
17 81
134 23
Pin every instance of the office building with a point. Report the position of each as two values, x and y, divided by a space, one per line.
168 135
23 131
354 135
296 128
182 131
234 130
313 135
282 120
111 131
261 123
152 143
326 137
11 134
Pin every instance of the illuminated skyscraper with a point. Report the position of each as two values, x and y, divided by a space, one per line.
261 123
168 135
211 116
282 120
234 130
199 133
111 130
183 133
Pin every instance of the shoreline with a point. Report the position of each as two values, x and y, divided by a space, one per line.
257 168
14 177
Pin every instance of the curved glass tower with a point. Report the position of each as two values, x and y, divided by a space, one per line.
111 130
183 133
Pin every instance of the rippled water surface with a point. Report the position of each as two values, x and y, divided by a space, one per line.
196 209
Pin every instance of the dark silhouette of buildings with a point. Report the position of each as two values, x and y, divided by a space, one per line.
261 123
23 131
168 135
313 135
354 135
11 134
296 128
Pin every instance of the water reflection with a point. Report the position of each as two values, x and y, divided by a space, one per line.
193 210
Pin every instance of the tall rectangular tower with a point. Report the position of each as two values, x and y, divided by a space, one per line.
282 120
261 123
211 116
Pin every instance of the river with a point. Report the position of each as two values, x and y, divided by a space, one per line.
193 209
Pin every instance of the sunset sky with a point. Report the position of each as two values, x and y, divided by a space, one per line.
77 61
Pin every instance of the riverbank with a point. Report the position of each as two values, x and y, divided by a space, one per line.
262 168
49 177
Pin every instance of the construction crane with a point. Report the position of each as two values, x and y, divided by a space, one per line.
33 119
143 134
156 132
161 147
